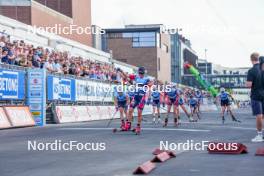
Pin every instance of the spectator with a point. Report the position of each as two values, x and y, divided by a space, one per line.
56 66
49 65
4 58
254 82
26 55
11 55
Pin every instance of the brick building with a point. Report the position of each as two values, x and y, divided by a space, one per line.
48 13
141 45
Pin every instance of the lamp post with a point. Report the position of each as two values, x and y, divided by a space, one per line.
205 56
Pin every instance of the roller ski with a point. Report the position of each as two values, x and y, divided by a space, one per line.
154 121
125 127
192 120
235 119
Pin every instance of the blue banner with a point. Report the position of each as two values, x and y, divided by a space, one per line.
12 85
36 93
61 88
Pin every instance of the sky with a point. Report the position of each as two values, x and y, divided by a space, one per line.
230 30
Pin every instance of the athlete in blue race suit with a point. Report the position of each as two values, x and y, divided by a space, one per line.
172 94
139 99
155 96
121 103
199 97
224 96
193 102
181 104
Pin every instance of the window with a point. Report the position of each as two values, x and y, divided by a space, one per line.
114 35
127 35
15 3
141 39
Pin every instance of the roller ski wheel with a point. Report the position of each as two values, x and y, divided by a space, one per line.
236 120
115 130
137 130
193 120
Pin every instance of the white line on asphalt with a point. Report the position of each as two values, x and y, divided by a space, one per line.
239 128
147 129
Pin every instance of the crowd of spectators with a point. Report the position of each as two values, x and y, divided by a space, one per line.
19 53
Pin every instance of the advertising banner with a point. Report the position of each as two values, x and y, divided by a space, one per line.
12 85
87 90
60 88
36 93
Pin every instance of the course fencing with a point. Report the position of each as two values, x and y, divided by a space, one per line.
71 98
38 89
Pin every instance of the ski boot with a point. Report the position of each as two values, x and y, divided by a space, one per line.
127 126
159 120
137 130
154 120
123 126
223 119
176 122
179 120
165 122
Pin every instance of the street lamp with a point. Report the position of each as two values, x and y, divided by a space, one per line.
205 57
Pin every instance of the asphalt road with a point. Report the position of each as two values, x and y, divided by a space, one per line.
125 151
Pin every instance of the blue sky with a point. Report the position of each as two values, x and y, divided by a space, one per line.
229 29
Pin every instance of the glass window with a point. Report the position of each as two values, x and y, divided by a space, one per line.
136 44
142 39
147 44
147 34
135 34
135 39
127 35
15 2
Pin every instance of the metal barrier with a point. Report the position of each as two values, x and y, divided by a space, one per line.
7 67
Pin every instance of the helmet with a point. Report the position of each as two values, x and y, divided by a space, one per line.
141 70
222 89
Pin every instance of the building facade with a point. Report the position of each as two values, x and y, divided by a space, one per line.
141 45
181 52
51 14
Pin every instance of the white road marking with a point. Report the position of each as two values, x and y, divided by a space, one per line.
239 128
146 129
